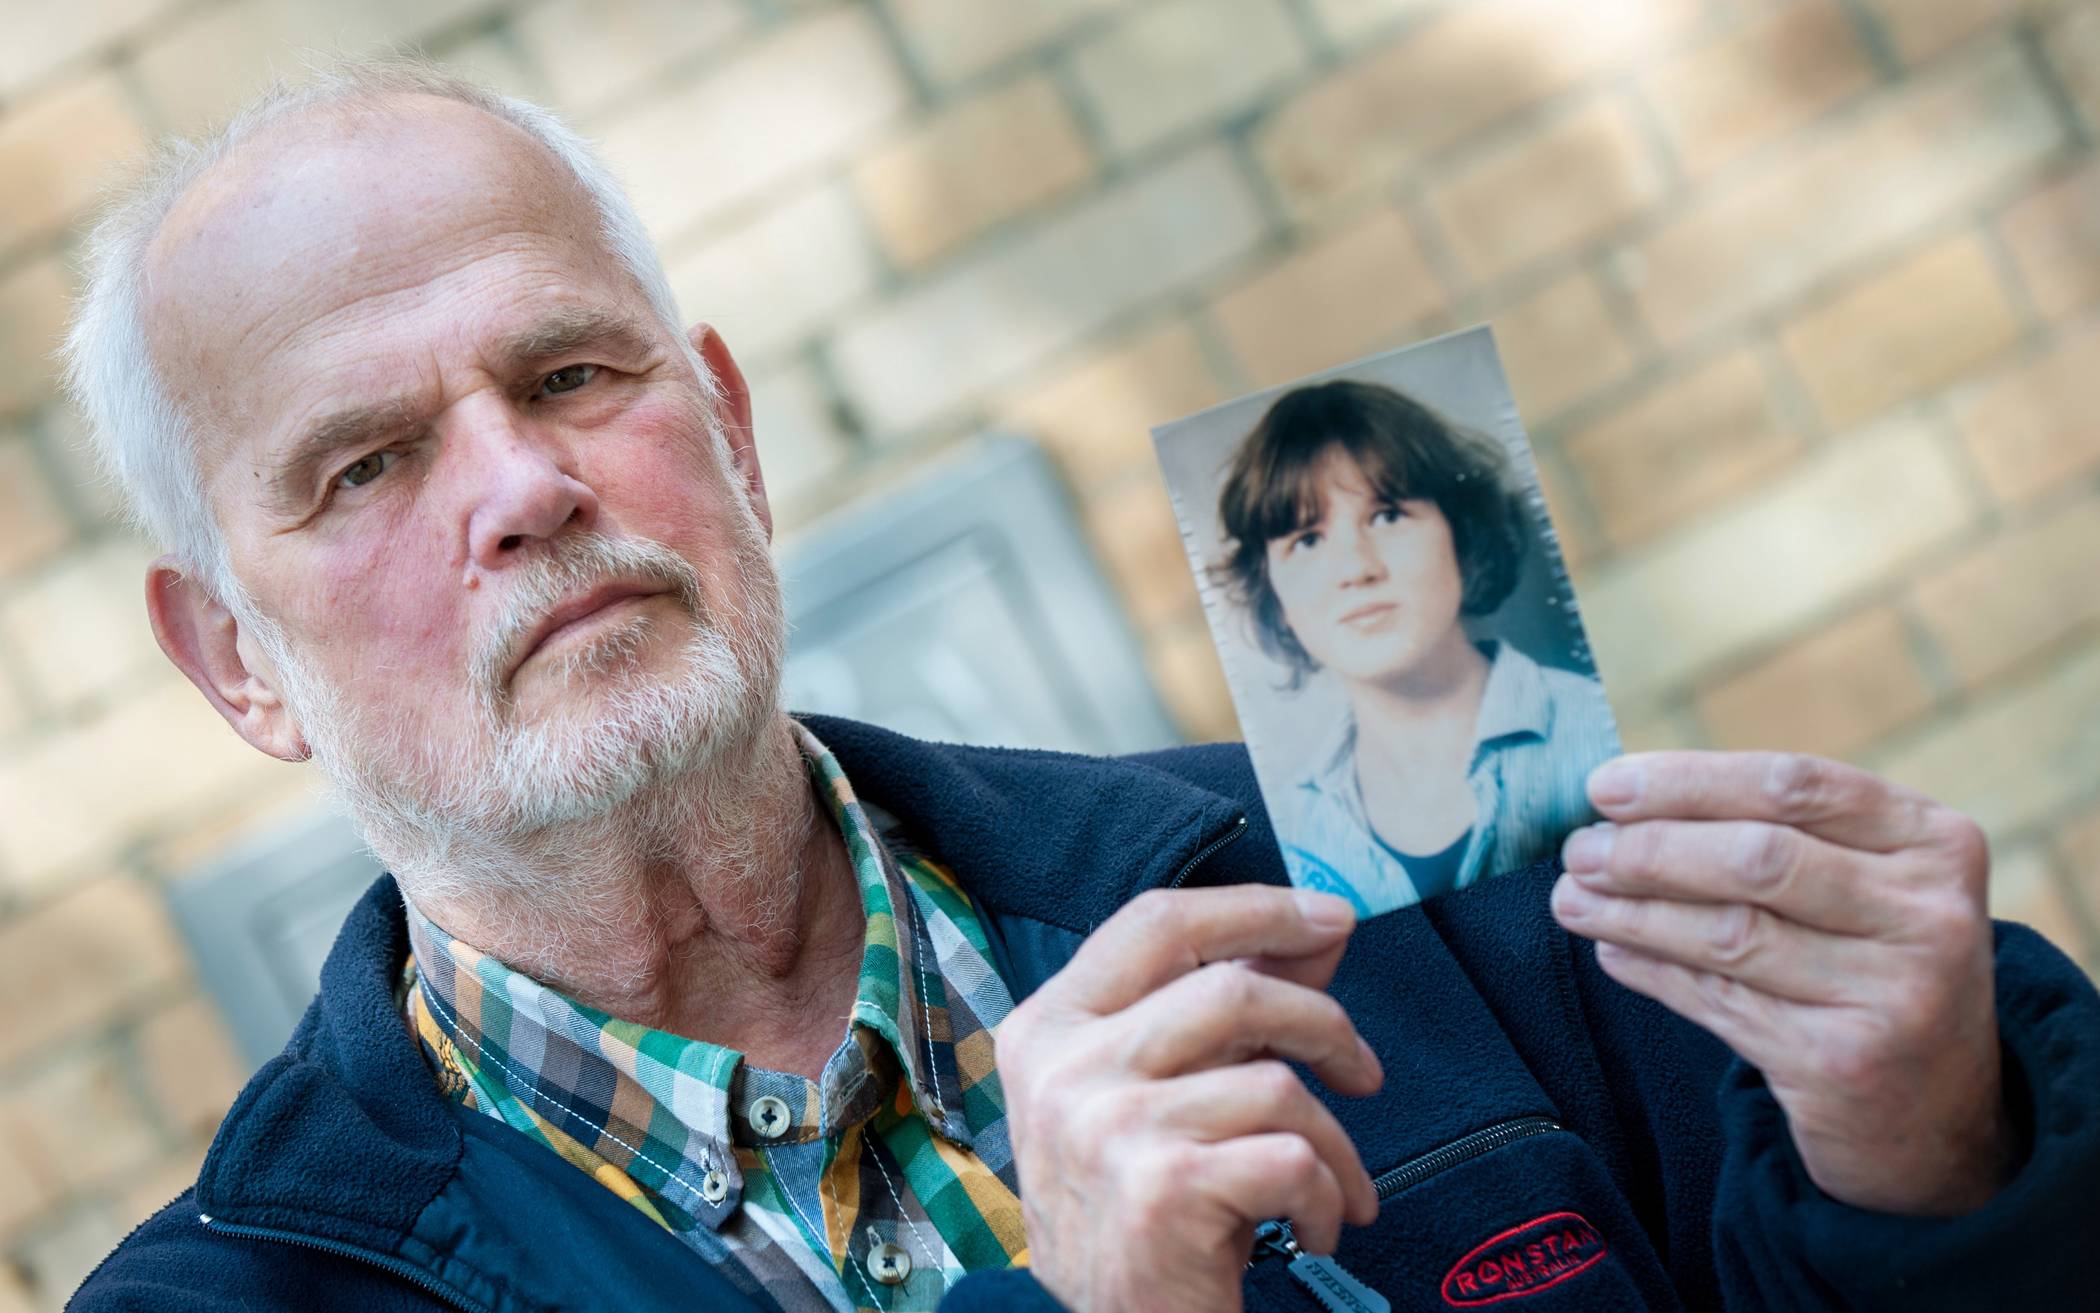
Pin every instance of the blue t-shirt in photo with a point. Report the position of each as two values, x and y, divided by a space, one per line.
1540 733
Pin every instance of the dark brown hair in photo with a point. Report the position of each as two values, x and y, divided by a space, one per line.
1406 452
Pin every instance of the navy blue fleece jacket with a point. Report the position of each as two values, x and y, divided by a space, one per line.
1639 1166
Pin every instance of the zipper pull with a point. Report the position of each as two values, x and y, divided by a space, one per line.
1329 1282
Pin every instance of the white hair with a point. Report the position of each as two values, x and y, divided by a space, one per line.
142 440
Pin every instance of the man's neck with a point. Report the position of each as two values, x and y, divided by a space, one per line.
725 910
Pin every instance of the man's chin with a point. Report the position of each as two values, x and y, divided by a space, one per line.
599 751
575 741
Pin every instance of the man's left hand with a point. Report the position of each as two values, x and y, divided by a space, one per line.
1832 929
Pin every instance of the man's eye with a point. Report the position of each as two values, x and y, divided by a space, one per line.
567 379
365 469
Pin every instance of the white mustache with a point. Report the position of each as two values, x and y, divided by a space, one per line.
568 567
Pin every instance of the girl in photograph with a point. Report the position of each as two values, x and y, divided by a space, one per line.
1362 531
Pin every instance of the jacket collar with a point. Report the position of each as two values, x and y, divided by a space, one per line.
1005 820
351 1085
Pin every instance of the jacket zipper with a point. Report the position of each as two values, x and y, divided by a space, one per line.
1333 1285
1466 1147
402 1268
1203 854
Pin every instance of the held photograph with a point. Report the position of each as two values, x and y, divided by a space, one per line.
1395 621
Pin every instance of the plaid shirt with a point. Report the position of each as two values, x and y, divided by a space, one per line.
873 1187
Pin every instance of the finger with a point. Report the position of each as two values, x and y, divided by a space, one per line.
1829 799
1225 1014
1802 878
1256 1098
1166 933
1314 971
1259 1177
1746 1021
1741 941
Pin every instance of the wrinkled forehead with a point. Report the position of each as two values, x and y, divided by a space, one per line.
331 232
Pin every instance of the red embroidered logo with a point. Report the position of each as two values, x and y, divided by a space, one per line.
1523 1260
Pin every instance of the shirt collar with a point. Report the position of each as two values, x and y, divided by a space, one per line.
902 995
669 1106
1515 703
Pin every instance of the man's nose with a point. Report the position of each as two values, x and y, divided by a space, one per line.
524 488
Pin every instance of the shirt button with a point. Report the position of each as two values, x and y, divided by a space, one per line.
770 1116
889 1264
714 1187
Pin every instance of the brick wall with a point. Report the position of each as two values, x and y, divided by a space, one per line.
1802 301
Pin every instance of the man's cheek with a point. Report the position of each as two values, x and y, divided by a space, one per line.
406 606
660 483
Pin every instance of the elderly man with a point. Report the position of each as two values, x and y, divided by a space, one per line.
673 1001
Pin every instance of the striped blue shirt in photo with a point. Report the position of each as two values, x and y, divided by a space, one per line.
1540 733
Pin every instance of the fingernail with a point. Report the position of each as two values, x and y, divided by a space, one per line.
1370 1059
1572 902
1325 911
1588 849
1615 783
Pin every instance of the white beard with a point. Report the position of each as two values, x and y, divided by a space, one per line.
523 813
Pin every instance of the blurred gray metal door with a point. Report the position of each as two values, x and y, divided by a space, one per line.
967 608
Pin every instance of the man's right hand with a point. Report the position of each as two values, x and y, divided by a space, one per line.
1154 1122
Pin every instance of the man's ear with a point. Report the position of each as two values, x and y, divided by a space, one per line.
735 407
205 642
